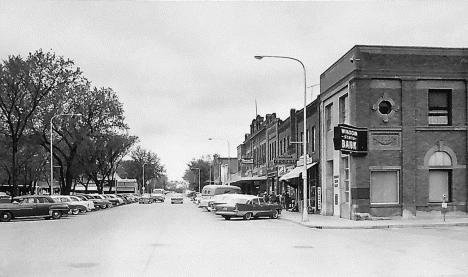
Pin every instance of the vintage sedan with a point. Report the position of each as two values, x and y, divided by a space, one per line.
248 206
220 199
145 198
75 207
177 198
33 206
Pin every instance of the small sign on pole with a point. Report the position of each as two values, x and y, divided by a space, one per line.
444 205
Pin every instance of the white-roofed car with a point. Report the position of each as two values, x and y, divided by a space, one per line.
177 198
209 191
87 203
248 206
75 207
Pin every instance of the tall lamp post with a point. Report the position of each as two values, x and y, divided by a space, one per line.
144 176
229 160
305 215
52 149
199 188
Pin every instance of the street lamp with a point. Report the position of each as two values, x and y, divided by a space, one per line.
229 160
305 215
144 176
199 189
52 149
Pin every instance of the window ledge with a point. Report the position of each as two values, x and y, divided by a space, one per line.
440 128
383 205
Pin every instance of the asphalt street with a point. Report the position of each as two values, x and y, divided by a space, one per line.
164 239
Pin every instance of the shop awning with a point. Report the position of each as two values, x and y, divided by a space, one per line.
296 172
250 179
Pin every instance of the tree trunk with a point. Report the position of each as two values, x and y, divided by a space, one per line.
14 190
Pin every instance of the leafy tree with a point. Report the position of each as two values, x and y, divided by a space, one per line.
24 85
101 155
191 173
133 169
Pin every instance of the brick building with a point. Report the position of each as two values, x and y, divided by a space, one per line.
411 102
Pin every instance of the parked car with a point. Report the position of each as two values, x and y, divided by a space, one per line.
75 207
125 198
114 199
177 198
158 195
87 203
98 202
209 191
4 198
248 206
33 206
145 198
103 199
219 199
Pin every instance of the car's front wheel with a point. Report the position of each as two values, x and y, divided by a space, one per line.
227 217
248 216
274 215
75 211
6 216
56 214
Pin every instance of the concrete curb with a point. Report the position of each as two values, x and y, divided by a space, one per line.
385 226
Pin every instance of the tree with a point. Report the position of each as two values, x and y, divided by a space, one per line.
100 156
101 117
133 169
24 85
191 174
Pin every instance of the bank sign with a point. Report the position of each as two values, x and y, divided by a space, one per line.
350 140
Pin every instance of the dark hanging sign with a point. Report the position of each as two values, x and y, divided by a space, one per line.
350 140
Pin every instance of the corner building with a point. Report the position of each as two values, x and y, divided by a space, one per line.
412 102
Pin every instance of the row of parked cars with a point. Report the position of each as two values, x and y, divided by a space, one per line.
229 202
56 206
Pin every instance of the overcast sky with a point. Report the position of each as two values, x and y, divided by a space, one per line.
185 71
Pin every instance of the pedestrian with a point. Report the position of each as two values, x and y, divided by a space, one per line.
267 198
287 201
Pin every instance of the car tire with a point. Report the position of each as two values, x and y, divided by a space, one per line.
75 211
248 216
6 216
274 215
227 217
56 214
109 206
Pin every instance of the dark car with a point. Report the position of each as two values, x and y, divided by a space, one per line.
33 206
248 206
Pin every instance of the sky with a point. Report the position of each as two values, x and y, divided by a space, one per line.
185 71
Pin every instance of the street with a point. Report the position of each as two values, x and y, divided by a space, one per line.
164 239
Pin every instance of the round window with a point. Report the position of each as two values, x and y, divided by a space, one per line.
385 107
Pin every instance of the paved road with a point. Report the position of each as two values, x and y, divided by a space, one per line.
181 240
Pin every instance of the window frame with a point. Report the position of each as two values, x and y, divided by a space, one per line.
439 111
394 170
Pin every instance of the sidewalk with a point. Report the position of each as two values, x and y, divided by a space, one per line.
330 222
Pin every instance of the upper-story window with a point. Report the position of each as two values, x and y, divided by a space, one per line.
344 109
439 106
281 147
312 140
328 117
